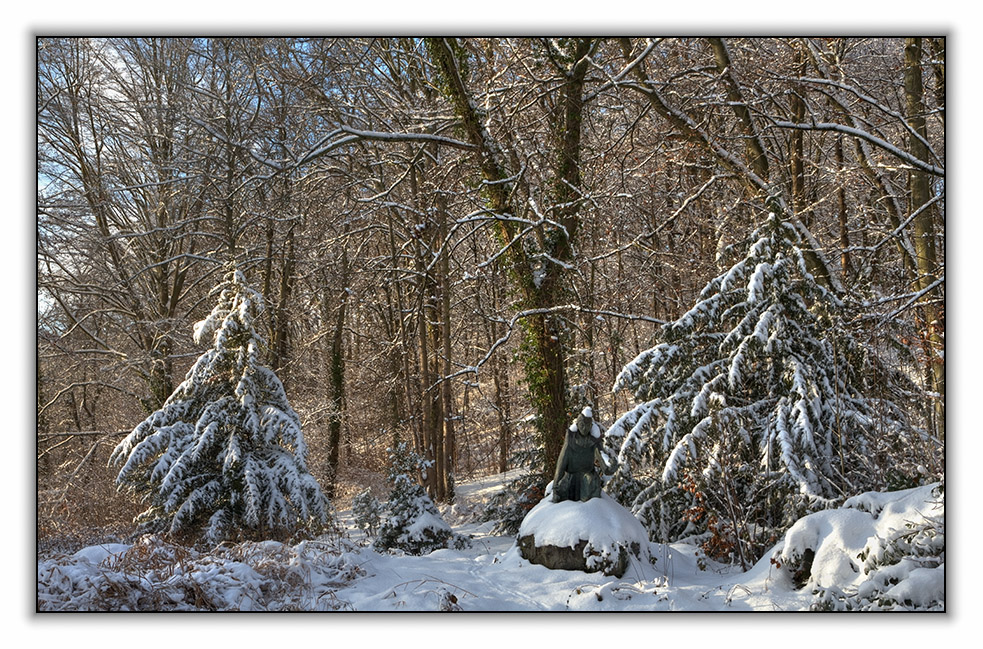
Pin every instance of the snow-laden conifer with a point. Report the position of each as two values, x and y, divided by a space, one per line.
367 512
225 455
413 523
750 412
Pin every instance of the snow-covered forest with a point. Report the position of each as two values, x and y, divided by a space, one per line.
315 316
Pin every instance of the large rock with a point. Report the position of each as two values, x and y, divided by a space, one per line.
598 535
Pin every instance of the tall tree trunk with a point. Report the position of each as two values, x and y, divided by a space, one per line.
42 418
161 370
402 354
797 153
268 268
754 151
499 371
938 69
845 264
500 377
281 318
431 433
336 374
446 389
923 225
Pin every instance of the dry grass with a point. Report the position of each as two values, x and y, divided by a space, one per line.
156 574
77 502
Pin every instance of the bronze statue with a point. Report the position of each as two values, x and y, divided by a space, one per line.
577 477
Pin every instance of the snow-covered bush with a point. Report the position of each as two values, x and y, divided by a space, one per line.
751 411
413 523
225 455
367 512
903 566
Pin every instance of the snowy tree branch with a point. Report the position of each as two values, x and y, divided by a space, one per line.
867 137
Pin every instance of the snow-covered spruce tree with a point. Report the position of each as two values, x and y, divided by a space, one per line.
225 456
413 523
367 512
751 412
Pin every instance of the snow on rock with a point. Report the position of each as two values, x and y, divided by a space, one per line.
596 535
823 547
602 521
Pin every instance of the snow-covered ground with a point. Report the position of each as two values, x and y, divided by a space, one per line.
347 575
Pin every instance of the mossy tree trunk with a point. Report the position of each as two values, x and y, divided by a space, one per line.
537 271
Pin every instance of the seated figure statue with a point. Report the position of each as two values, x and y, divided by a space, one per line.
577 478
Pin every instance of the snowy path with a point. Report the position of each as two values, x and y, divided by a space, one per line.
492 576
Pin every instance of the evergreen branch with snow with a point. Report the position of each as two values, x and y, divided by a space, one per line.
753 390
